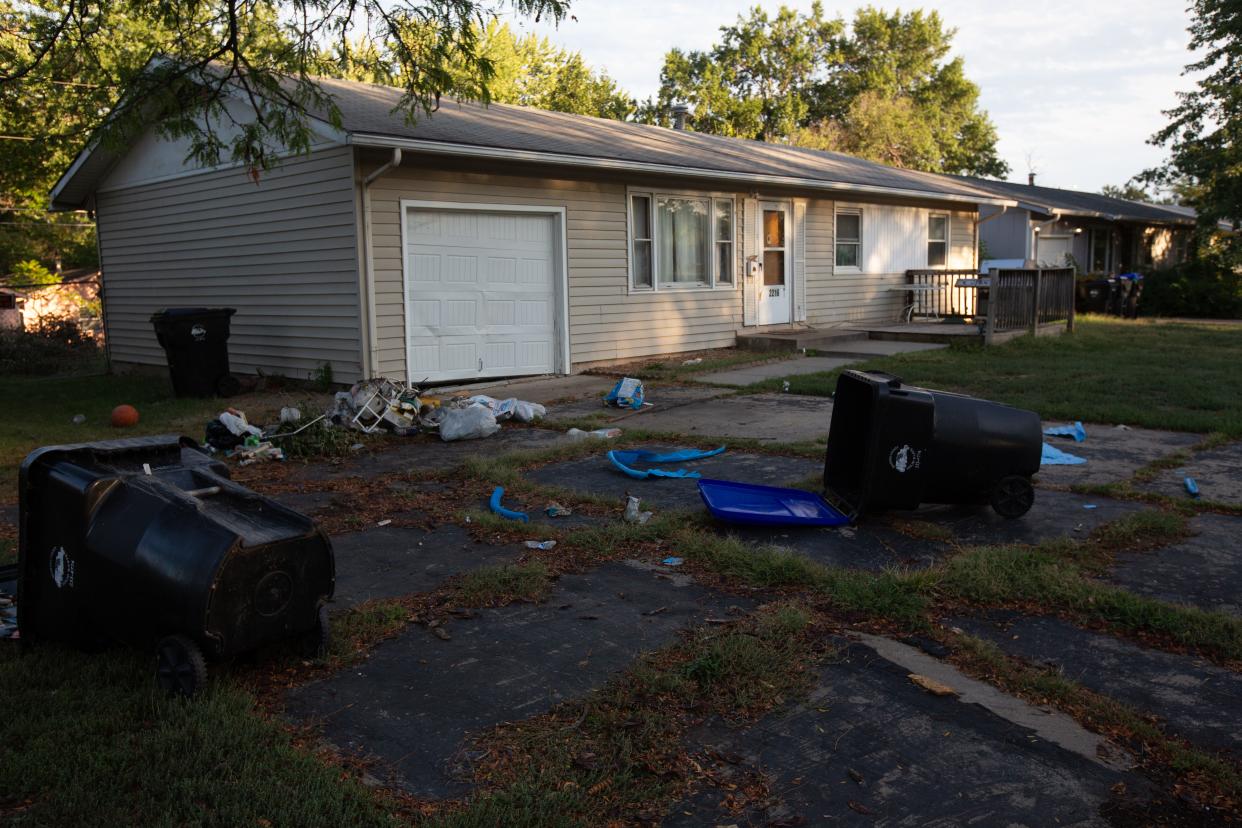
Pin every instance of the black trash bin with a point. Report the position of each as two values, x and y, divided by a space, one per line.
196 345
147 542
892 446
1095 295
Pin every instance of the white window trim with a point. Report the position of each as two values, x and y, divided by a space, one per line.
948 231
655 193
849 209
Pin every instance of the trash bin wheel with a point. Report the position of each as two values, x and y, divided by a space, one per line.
180 667
316 640
1013 496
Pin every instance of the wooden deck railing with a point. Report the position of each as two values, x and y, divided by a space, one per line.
1011 300
953 301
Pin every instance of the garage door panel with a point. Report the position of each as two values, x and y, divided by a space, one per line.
482 294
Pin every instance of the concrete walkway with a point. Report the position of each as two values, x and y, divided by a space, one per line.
847 353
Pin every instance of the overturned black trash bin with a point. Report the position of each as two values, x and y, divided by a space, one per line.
1096 295
892 446
147 542
196 345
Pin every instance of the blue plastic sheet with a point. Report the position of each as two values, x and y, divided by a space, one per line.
1076 431
1053 456
625 461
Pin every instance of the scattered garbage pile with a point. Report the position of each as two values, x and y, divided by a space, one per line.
367 408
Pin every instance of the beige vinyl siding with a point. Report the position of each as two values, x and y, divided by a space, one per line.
606 321
282 252
836 298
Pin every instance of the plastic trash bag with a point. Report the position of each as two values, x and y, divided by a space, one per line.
1053 456
1074 430
627 393
528 412
468 423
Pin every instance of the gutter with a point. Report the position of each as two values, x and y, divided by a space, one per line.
373 350
568 160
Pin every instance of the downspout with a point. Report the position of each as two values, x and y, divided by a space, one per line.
372 366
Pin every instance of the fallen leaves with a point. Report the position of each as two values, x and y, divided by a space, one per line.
931 685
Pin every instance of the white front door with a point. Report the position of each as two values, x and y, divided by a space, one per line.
480 294
1052 251
775 297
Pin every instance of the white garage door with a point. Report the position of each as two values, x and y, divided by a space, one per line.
481 294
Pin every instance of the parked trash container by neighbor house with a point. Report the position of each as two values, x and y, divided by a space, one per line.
196 345
892 446
147 542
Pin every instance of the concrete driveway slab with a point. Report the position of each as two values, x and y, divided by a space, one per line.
868 747
1204 571
1112 454
1217 472
414 702
751 374
596 475
865 546
661 397
390 561
1198 699
542 390
1054 515
775 418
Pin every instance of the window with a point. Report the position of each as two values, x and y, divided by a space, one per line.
849 238
725 262
681 241
640 228
937 240
1099 251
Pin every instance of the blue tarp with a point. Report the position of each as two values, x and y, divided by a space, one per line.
1076 431
1055 457
625 461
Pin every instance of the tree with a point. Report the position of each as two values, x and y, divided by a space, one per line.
199 54
1130 191
1204 128
883 88
531 71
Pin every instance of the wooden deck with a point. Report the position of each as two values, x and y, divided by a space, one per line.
947 332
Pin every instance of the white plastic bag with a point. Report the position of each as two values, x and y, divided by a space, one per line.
468 423
527 412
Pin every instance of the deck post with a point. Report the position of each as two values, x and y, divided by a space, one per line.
989 322
1035 285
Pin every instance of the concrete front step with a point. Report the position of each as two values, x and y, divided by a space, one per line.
797 340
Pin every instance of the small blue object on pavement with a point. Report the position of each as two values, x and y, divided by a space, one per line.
1076 431
1192 488
502 511
672 561
1053 456
625 460
1089 506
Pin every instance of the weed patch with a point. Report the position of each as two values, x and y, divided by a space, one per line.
498 585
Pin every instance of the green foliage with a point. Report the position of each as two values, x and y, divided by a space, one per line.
1203 128
1207 287
883 88
55 346
323 377
30 272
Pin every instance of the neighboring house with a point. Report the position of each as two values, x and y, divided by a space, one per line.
1095 233
502 241
75 296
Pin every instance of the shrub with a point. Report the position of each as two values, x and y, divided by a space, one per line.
56 344
1207 287
30 272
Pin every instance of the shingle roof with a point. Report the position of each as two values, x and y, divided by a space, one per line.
367 110
1074 202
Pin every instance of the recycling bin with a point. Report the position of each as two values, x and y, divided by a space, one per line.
1132 290
892 446
196 346
147 542
1096 295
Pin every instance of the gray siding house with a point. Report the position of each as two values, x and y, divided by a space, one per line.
502 241
1095 233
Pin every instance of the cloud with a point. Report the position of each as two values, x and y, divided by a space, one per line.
1079 84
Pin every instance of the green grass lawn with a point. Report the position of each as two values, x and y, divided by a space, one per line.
1178 376
38 412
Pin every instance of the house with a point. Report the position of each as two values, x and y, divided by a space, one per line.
501 241
75 296
1095 233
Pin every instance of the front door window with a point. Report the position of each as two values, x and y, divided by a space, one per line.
774 247
774 296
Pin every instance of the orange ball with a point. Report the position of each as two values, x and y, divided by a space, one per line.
124 416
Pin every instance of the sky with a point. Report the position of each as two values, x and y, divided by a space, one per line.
1075 87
